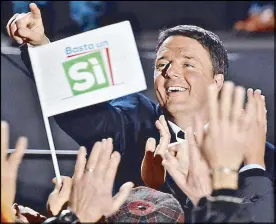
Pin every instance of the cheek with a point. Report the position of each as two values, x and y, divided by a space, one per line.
159 83
198 83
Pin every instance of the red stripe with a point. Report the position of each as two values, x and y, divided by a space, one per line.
108 58
78 54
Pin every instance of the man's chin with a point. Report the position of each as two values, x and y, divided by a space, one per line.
176 106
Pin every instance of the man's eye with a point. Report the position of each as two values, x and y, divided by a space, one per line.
188 65
160 65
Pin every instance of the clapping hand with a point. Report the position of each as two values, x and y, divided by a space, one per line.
188 169
91 196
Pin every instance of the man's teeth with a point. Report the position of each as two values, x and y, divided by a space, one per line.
175 89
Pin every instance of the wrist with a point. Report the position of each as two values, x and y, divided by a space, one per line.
224 180
45 40
257 161
87 217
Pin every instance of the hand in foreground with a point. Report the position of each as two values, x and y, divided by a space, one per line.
91 196
9 166
27 27
188 169
256 134
152 172
60 196
224 143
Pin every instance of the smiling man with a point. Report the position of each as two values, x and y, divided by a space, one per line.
188 60
184 68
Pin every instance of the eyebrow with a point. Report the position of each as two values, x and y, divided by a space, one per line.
160 58
182 55
190 57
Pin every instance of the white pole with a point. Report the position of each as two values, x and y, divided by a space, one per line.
46 152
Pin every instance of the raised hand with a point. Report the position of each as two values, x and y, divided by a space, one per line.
9 166
226 135
91 196
188 169
27 27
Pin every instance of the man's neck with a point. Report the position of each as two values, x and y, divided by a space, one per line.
186 120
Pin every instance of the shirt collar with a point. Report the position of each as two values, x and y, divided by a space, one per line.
176 129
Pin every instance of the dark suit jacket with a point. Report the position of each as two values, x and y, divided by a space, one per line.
252 202
130 121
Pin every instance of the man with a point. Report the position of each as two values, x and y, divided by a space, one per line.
189 58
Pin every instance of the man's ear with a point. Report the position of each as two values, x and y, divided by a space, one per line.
219 79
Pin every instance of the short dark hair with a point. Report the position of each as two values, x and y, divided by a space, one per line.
207 39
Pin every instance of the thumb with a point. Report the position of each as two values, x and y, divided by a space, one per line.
121 197
66 187
150 145
57 184
35 11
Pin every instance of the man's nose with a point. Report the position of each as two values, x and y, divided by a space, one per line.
173 71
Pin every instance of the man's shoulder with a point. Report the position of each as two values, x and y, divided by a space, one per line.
136 101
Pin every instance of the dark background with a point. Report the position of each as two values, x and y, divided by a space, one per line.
251 65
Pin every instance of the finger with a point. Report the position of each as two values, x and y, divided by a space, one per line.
94 155
199 130
150 145
161 129
213 108
173 149
121 197
264 111
178 177
80 164
250 95
163 146
35 11
104 158
4 141
65 188
25 33
16 157
112 170
226 100
259 105
164 123
10 22
14 29
250 113
194 153
169 157
57 184
237 105
23 21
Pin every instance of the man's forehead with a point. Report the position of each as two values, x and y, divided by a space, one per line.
179 49
188 53
180 44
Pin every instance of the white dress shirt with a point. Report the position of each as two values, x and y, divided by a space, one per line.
176 129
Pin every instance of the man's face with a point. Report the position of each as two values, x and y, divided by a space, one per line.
183 71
